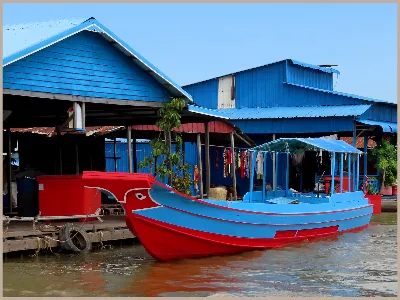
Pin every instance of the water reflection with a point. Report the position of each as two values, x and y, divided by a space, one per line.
354 264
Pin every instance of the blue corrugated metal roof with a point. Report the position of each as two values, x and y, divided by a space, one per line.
341 94
284 112
22 40
323 69
293 145
386 126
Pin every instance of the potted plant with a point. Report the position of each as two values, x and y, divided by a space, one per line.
372 194
387 164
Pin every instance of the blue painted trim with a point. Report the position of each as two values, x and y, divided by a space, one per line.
341 172
333 173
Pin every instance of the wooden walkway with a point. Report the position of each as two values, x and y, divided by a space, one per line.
20 236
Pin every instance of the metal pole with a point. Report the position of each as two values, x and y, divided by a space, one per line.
233 166
276 170
365 156
264 175
200 164
354 163
358 172
77 158
287 173
252 156
273 167
129 142
115 155
349 172
341 172
207 157
333 173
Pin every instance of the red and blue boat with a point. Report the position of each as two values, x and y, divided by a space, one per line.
171 225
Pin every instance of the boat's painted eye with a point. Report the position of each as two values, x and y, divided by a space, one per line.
140 196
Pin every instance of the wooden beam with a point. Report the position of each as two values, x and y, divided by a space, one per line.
83 108
9 171
207 157
73 98
244 140
129 141
135 165
199 161
233 165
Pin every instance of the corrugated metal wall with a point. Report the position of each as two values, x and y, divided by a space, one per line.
260 87
298 125
83 65
309 77
204 93
381 112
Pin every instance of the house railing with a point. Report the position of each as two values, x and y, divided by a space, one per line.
373 180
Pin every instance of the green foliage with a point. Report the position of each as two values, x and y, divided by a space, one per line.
387 162
172 164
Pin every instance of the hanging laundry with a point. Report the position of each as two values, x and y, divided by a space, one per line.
260 164
225 155
242 164
196 177
229 162
238 160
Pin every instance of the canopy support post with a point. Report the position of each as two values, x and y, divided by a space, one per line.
349 171
264 175
251 175
354 162
276 171
273 167
287 174
333 173
341 172
134 149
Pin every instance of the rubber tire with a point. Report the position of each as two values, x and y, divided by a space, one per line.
67 244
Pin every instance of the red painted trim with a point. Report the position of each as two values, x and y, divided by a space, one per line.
263 224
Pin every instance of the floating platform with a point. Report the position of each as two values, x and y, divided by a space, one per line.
22 236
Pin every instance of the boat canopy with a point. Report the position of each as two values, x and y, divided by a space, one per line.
300 145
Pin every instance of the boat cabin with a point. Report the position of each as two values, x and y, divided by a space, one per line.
344 186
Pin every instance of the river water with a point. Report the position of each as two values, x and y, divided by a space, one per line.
353 264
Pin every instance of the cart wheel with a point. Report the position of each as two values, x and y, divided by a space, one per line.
74 239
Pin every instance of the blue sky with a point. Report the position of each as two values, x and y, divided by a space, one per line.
194 42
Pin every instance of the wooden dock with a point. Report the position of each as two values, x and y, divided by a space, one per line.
22 236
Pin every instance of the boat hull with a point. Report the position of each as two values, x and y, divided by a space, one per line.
173 226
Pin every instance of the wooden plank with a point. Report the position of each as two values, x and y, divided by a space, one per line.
129 141
32 243
199 161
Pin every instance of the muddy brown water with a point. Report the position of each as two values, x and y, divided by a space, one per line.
353 264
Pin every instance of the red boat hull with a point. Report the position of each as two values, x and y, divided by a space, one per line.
166 242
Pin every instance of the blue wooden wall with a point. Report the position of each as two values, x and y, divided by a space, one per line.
83 65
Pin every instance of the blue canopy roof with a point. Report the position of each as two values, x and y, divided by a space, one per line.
299 145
